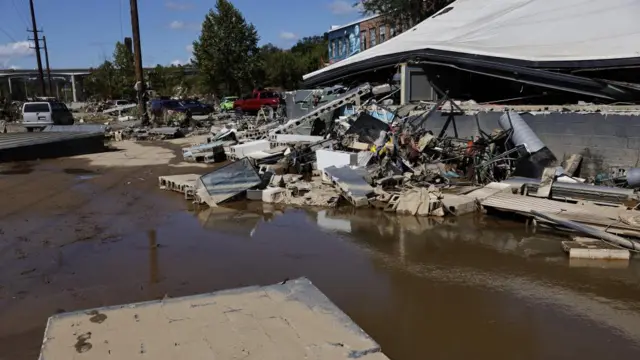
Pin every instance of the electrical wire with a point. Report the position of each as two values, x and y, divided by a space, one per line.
8 35
120 16
20 15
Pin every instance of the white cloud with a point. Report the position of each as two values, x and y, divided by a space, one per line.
286 35
178 62
175 24
179 6
14 50
181 25
342 7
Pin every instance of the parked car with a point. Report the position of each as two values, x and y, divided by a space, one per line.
40 114
226 103
257 100
196 107
158 106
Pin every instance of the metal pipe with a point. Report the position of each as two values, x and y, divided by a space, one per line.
588 230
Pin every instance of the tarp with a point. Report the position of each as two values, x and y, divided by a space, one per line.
532 33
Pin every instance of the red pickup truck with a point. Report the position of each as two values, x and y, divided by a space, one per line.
257 100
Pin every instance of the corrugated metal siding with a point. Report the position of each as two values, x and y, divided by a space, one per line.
524 204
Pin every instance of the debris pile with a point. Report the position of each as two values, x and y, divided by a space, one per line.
351 150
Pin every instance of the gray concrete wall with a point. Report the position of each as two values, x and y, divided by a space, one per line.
607 142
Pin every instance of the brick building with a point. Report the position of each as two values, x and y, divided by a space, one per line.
348 40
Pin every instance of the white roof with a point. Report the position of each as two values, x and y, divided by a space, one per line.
528 30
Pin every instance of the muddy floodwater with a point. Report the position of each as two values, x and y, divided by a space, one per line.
77 236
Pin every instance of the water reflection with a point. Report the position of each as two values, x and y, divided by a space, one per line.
153 257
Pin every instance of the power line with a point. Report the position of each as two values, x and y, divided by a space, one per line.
8 35
20 15
120 16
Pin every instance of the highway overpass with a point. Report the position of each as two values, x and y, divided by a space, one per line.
72 74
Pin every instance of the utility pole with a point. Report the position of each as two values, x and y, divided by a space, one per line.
46 60
137 56
37 48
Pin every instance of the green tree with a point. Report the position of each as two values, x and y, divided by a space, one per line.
100 83
125 73
403 12
282 69
311 53
226 53
158 80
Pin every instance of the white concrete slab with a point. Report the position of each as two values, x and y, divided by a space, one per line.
242 150
327 158
292 321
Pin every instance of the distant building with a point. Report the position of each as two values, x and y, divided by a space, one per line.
350 39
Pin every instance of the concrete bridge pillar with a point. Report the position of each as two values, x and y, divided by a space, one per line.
73 88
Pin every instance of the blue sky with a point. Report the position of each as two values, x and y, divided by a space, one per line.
82 33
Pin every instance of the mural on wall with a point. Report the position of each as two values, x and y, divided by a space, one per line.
344 42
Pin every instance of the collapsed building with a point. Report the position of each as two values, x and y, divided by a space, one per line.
523 112
570 69
540 51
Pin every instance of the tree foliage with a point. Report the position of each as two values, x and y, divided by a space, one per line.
125 74
226 53
101 81
406 13
227 57
284 68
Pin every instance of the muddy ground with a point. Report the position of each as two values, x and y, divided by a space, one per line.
95 230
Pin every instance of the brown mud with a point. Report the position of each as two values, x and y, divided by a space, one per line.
76 234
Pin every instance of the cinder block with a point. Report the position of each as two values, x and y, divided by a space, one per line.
272 195
255 195
458 204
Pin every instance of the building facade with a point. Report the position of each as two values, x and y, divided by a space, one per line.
348 40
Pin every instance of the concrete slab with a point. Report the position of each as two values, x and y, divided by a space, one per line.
242 150
595 249
294 138
489 190
326 158
293 320
254 195
458 204
272 195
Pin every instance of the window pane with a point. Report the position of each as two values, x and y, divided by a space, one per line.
363 40
372 37
32 108
383 33
392 31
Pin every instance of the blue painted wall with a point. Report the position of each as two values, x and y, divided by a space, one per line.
344 42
